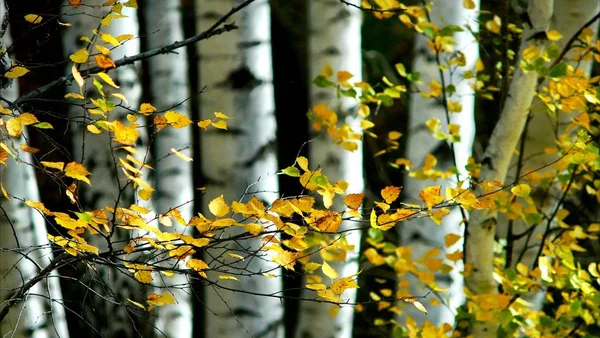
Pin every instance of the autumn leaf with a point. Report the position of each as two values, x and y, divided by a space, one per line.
75 3
177 120
340 285
204 123
328 270
125 134
16 71
353 201
54 165
80 56
181 155
451 239
14 127
218 207
285 258
390 194
33 18
220 115
220 124
431 196
78 172
160 300
521 190
107 79
104 62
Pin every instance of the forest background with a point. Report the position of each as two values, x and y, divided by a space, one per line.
300 168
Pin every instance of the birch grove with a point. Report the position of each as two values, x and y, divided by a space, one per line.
240 164
423 234
334 38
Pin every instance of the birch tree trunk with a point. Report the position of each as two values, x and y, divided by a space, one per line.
173 176
41 314
109 314
334 38
422 234
497 158
237 71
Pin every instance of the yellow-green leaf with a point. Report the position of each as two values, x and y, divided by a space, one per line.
33 18
328 270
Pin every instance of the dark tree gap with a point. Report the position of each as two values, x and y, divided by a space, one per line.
290 68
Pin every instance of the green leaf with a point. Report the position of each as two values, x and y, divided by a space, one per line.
291 171
559 70
320 180
322 82
414 77
43 125
376 235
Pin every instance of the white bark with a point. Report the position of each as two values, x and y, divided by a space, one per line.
23 229
335 38
99 160
422 234
173 176
504 139
237 71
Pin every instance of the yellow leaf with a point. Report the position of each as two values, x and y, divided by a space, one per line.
328 270
204 123
14 127
302 162
353 201
77 171
554 35
316 287
147 109
235 256
107 38
160 300
107 79
145 194
218 207
103 50
54 165
220 124
228 277
143 276
521 190
253 228
394 135
180 155
468 4
16 72
221 116
451 239
390 194
431 196
77 76
80 56
33 18
178 120
27 119
4 191
339 286
125 134
132 302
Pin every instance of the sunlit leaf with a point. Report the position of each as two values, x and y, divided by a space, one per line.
16 72
328 270
218 207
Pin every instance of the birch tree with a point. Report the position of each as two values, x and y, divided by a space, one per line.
334 39
240 164
428 109
173 176
112 316
23 235
482 225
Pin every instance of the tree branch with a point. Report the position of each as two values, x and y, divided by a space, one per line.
210 32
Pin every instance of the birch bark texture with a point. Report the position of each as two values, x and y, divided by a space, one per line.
422 234
497 158
107 311
41 314
239 163
334 38
173 176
